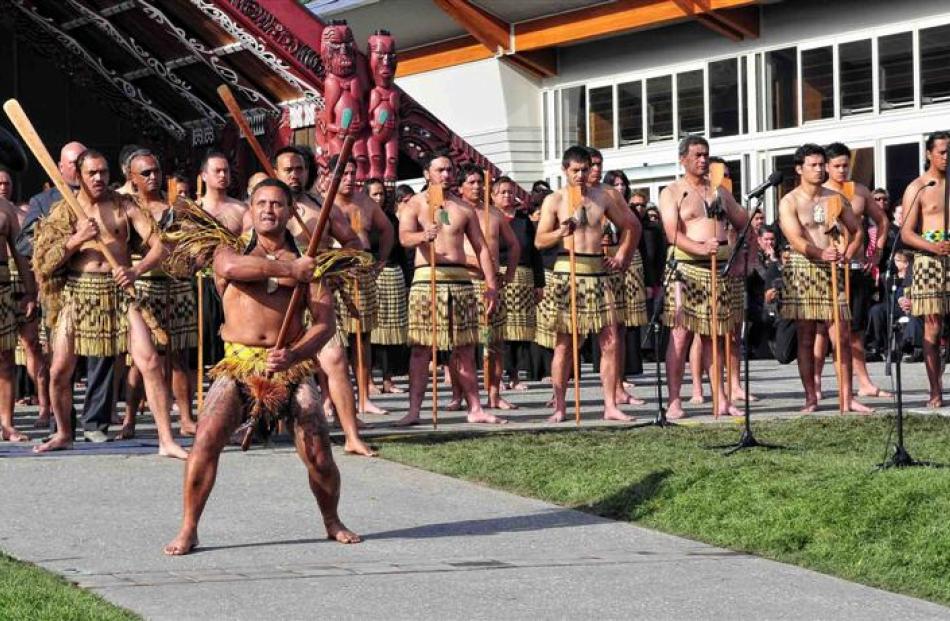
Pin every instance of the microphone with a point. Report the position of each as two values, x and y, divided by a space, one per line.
774 179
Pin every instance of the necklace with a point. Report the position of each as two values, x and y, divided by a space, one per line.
817 209
271 256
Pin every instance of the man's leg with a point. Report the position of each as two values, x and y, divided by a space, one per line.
182 391
806 362
725 404
560 367
7 429
932 362
134 393
452 368
100 396
495 400
696 368
681 345
611 377
333 361
819 354
220 417
313 446
61 392
149 363
37 367
418 382
468 382
367 376
850 403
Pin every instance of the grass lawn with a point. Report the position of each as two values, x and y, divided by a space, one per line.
818 504
28 592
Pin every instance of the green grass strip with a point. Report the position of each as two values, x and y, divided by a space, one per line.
819 504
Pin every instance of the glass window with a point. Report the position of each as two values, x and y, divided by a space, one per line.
862 165
735 174
601 117
934 60
690 97
855 77
630 112
573 117
723 78
545 147
744 85
660 108
785 164
781 84
818 84
896 70
901 165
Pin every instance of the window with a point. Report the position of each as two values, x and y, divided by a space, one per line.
856 77
818 84
691 103
723 79
660 108
735 174
934 60
601 117
896 70
630 112
781 84
862 165
744 85
901 165
573 117
545 146
785 164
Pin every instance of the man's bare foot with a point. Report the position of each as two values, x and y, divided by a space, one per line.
625 398
675 410
356 446
518 386
12 435
858 408
730 411
616 414
391 388
935 402
371 408
502 404
172 449
485 417
546 379
42 421
697 399
339 532
126 433
182 544
874 391
810 406
739 395
407 421
56 443
454 405
374 389
557 417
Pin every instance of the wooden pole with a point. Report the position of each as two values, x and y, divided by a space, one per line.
356 223
576 199
232 105
201 342
714 374
435 199
833 212
486 353
199 188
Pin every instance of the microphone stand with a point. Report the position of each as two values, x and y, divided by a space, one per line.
747 439
656 329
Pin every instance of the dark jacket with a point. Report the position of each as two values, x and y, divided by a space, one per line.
40 206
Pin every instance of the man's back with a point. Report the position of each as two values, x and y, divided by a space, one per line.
39 208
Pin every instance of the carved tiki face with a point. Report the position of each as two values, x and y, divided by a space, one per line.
382 58
337 50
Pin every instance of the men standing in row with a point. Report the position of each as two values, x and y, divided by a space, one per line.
456 328
807 292
597 312
925 231
694 217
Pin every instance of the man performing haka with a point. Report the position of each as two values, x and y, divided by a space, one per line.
88 312
925 210
253 312
862 285
807 292
693 215
471 185
456 305
597 312
290 166
169 299
366 219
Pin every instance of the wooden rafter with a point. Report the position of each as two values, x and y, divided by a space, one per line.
487 29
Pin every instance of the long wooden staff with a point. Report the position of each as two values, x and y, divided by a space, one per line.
201 341
26 130
357 225
171 194
833 212
435 200
575 200
232 105
199 188
717 171
847 188
486 354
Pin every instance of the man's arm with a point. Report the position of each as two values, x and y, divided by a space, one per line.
482 251
855 230
736 215
549 233
321 330
409 234
630 228
145 227
231 266
386 235
512 243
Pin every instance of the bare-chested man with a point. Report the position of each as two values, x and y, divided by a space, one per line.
694 220
925 230
253 313
862 283
366 218
171 301
291 169
456 304
96 317
497 233
216 176
9 307
597 310
806 293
